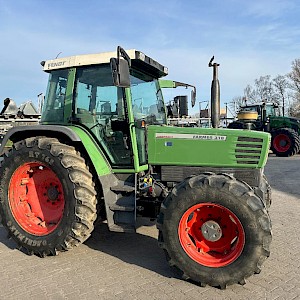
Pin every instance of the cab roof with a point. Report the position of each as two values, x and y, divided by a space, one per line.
139 61
258 104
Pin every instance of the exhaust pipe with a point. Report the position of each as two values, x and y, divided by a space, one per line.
215 95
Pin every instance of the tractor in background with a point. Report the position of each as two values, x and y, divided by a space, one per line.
266 117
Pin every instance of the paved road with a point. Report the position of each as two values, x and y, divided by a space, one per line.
125 266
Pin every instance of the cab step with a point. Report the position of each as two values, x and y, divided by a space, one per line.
122 228
123 188
120 202
121 208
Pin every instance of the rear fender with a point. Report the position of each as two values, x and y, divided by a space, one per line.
80 138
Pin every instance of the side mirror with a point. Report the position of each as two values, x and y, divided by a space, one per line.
120 68
193 97
186 85
120 72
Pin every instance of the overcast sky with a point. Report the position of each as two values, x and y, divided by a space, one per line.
248 38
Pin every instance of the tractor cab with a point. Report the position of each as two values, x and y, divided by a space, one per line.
81 91
256 116
270 108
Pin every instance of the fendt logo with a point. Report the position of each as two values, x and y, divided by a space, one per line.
56 64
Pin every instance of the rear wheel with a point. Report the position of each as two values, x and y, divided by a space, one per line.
285 142
214 230
47 198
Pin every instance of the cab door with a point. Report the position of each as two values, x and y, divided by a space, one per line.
100 107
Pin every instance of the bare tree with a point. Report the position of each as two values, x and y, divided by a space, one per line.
250 94
294 76
294 85
280 90
235 104
294 109
264 88
280 85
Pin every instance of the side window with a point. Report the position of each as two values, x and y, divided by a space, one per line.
270 110
53 108
109 104
99 106
83 95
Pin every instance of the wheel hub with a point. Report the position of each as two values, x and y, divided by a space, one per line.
52 193
283 143
211 231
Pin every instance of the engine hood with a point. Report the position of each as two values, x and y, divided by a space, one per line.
185 146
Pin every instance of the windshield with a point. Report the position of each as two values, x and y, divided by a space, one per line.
147 101
271 110
251 108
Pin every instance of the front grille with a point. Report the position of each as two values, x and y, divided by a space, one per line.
248 150
247 139
247 145
247 156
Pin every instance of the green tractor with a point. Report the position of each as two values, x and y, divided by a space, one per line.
266 117
103 150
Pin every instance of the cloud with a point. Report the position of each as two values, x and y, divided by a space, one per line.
268 8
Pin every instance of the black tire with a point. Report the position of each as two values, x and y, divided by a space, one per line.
75 186
266 188
285 142
264 192
236 125
234 196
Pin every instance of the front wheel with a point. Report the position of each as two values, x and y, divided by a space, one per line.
47 198
214 230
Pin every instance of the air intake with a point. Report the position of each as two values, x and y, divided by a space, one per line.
248 150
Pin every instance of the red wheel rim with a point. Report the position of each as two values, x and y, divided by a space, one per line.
36 198
282 142
211 235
